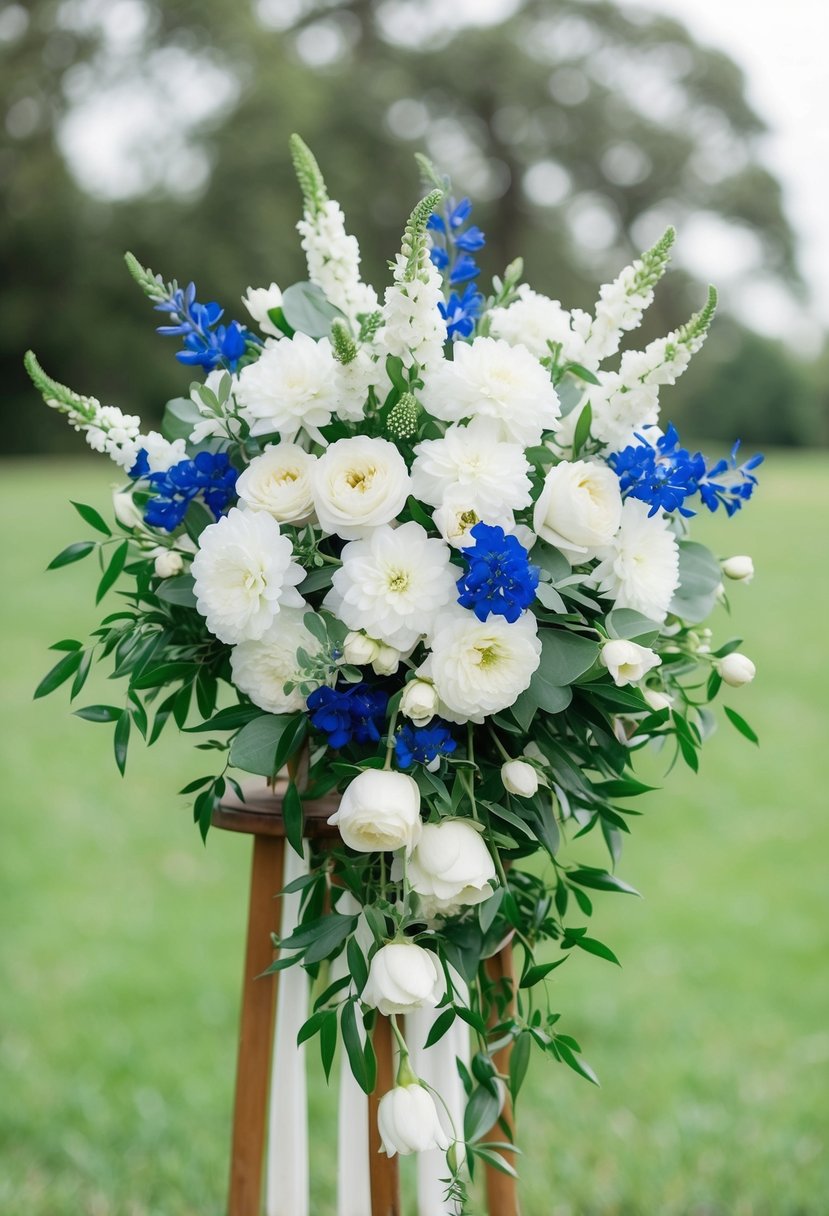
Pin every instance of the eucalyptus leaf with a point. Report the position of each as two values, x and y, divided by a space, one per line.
305 309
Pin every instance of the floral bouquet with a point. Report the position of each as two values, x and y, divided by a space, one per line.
432 544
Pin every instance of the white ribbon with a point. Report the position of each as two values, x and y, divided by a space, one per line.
353 1179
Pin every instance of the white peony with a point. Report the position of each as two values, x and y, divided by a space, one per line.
258 301
736 669
379 811
480 668
408 1121
263 667
451 867
244 574
292 385
519 778
393 584
639 569
402 977
357 484
491 379
536 321
279 482
579 508
627 662
491 474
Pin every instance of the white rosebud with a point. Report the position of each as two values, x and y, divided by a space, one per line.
258 301
403 977
386 661
419 701
408 1121
168 563
627 662
126 512
450 868
657 700
379 811
739 568
360 649
579 509
736 669
519 778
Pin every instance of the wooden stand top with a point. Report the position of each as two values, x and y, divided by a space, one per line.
260 814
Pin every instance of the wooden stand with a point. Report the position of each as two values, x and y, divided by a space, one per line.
260 816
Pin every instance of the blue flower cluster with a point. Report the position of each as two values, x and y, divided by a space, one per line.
453 244
209 475
206 343
666 475
500 579
423 744
356 712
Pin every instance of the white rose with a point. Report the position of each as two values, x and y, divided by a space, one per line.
402 977
168 563
419 701
126 512
244 574
357 484
408 1121
279 482
739 568
736 669
480 668
627 662
262 668
359 649
386 661
258 301
451 867
379 811
519 778
579 509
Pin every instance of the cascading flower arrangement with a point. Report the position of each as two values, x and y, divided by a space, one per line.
433 542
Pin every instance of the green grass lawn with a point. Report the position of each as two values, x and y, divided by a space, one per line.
122 935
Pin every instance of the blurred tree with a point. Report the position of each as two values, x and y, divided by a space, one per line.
581 131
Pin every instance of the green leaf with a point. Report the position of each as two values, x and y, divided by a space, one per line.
90 516
631 625
328 1041
293 818
66 667
258 746
313 1025
582 431
198 518
569 1057
440 1026
356 963
180 416
354 1047
699 579
230 718
315 625
537 972
72 553
551 560
81 674
519 1062
332 929
481 1113
316 580
564 657
98 713
121 740
581 372
592 946
164 673
177 590
741 725
114 568
600 880
306 309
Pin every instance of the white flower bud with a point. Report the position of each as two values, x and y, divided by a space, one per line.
402 977
408 1121
359 649
168 563
386 661
519 778
739 568
657 700
258 301
419 701
736 669
627 662
379 811
126 512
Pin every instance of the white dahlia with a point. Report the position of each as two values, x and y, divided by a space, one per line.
393 584
244 575
535 321
359 483
639 569
491 379
492 473
279 482
480 668
263 667
293 384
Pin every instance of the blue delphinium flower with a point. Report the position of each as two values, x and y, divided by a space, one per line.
209 475
206 343
356 712
423 744
666 475
452 249
500 579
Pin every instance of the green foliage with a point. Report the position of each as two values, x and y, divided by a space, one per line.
311 181
414 245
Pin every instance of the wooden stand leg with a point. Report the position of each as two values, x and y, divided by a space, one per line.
256 1030
385 1181
501 1190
